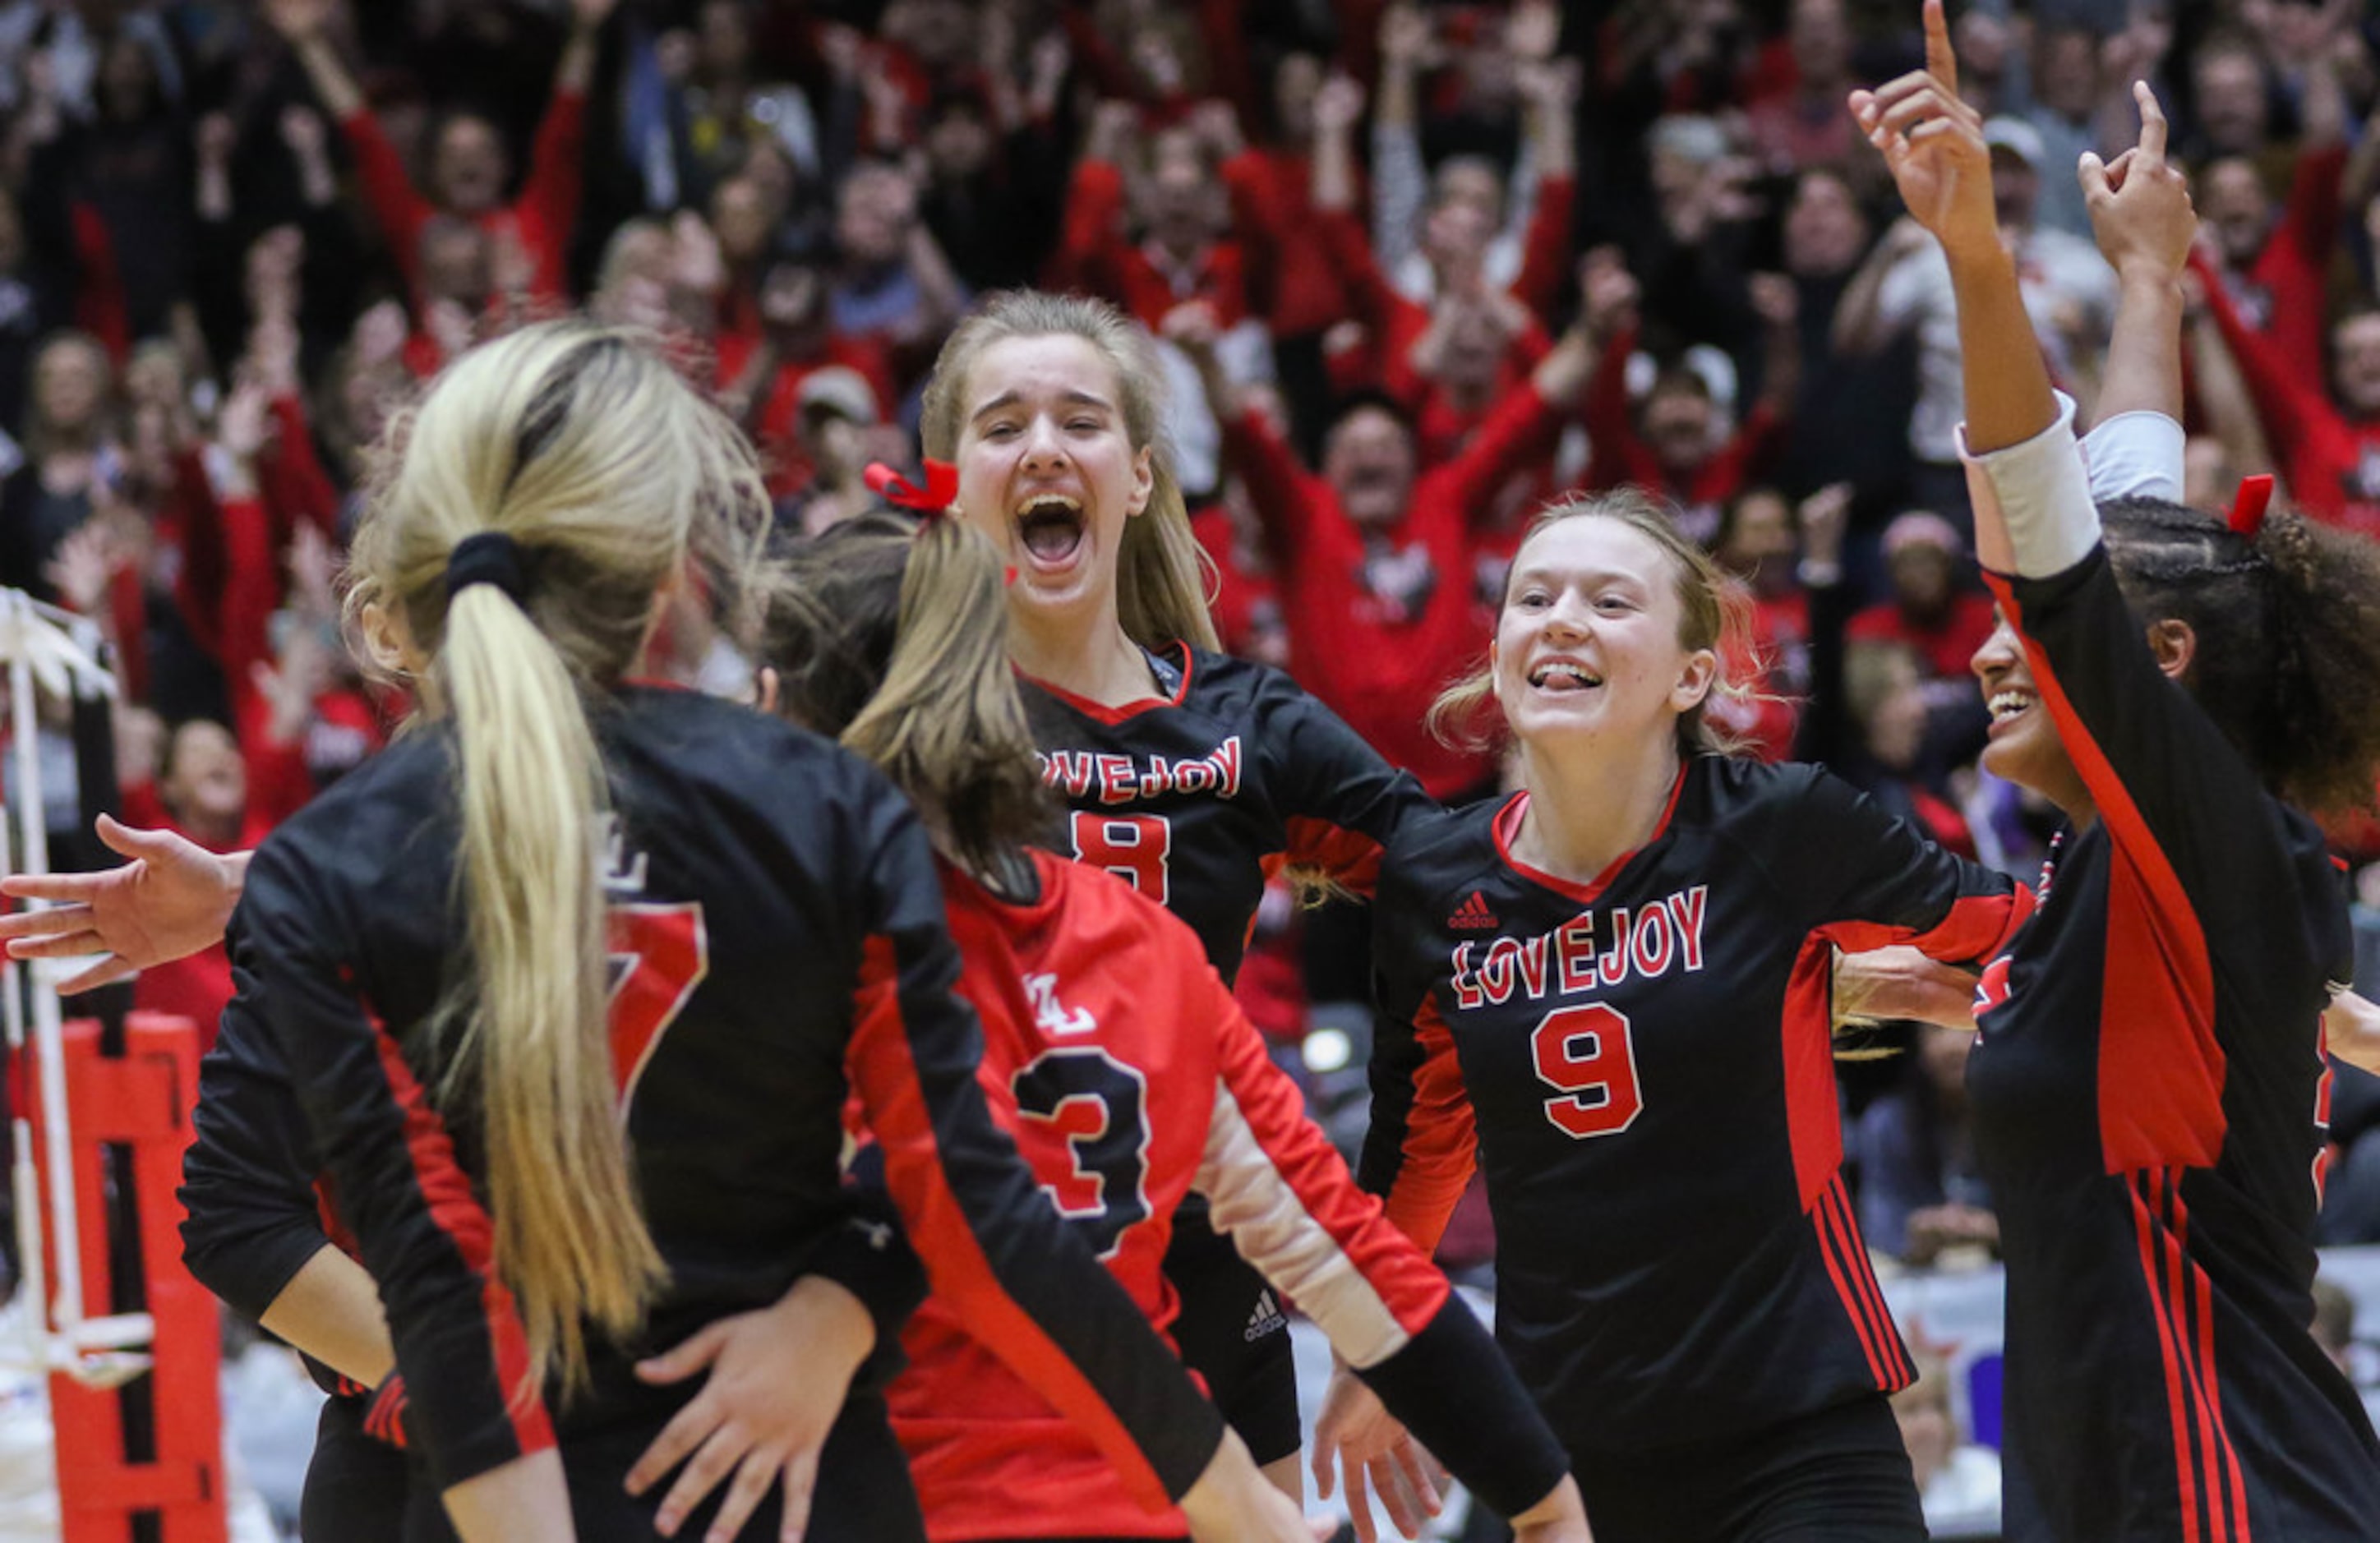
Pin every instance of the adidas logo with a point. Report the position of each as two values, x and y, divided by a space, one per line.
1473 915
1267 1318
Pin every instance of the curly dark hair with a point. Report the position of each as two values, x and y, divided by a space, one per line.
2288 662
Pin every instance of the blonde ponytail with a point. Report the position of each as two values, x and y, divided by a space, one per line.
569 1231
596 478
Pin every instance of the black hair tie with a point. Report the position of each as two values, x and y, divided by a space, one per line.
487 557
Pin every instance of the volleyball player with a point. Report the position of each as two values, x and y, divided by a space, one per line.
2148 1085
1190 775
1613 990
1116 1055
425 946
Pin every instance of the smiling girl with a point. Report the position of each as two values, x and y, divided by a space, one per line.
1613 991
1190 775
2148 1086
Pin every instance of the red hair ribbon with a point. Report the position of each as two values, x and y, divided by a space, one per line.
2249 506
941 489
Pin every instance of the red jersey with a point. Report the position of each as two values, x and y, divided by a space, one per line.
1273 206
1095 1000
1395 323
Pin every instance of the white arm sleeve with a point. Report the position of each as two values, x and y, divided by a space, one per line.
2042 495
2134 454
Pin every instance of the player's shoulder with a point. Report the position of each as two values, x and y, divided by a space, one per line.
391 811
1757 802
1103 915
1227 685
674 754
1437 851
718 740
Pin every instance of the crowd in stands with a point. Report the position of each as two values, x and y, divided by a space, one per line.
1414 267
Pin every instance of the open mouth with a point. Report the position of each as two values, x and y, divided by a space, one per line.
1050 525
2009 702
1562 675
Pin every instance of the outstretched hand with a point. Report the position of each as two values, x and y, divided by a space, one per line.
2140 204
1933 144
174 898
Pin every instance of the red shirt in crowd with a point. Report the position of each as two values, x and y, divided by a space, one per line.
2280 294
1944 645
1620 457
2331 462
1378 626
540 220
1095 256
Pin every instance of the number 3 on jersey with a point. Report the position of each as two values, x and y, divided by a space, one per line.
1099 1106
1135 847
661 952
1584 1053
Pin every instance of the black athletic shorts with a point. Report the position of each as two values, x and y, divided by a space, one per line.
1838 1476
355 1485
1233 1332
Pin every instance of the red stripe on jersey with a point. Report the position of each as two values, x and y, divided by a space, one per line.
1814 1120
1507 828
2161 1068
455 1210
1830 1250
1350 857
2186 1344
1974 929
2169 1352
1103 713
1846 1258
1441 1138
1896 1354
2198 1293
881 1068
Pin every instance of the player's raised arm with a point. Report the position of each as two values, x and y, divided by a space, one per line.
1933 142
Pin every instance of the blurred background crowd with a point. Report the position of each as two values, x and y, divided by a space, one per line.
1415 266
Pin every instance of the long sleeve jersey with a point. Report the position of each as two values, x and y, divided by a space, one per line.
2149 1095
1131 1078
1197 797
1644 1067
784 948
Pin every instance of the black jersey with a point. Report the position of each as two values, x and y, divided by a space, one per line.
2147 1090
1645 1068
1198 797
785 927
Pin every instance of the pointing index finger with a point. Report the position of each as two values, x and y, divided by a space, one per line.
2152 126
1940 62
